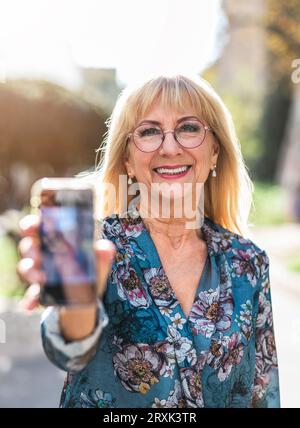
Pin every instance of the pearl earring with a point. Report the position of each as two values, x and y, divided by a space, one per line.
214 172
129 180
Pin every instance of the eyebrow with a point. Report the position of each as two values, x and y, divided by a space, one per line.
155 122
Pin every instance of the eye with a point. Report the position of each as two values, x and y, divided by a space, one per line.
147 131
190 127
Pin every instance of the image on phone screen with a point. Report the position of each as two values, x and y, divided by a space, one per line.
67 234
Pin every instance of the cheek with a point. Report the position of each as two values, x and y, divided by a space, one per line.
202 164
142 166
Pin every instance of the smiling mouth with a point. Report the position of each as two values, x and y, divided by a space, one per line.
172 171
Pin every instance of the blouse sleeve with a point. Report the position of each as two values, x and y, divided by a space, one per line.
266 380
74 355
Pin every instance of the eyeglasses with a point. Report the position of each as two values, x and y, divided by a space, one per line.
189 133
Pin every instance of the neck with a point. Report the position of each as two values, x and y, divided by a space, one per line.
172 230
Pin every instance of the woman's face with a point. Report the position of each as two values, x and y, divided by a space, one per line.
143 166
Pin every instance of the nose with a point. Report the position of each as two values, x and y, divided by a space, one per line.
169 145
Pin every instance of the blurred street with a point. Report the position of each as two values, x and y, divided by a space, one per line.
28 379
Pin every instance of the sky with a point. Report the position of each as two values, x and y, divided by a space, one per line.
52 38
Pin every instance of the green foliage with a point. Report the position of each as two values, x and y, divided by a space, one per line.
268 204
245 118
294 262
10 284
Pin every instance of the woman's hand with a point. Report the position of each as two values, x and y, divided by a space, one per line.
75 322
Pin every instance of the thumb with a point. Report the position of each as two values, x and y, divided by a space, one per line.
105 251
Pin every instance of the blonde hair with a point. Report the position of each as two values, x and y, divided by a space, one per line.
228 197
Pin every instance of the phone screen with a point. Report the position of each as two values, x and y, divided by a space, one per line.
67 235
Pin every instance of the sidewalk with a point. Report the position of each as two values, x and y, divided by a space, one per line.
279 242
28 379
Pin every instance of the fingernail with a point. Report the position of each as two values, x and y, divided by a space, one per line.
104 244
26 264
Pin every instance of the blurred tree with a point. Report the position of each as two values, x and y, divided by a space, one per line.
253 76
283 36
44 130
283 42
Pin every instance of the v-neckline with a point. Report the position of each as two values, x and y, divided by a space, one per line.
196 327
158 262
198 288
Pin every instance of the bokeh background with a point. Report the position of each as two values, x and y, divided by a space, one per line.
63 64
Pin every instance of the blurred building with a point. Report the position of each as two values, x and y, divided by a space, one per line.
241 69
99 86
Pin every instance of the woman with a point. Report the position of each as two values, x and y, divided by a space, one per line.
186 317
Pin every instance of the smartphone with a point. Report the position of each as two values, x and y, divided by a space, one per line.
67 231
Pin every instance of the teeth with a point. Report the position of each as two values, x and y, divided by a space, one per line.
172 171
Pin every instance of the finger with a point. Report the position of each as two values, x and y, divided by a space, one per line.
105 253
31 298
28 272
29 225
29 247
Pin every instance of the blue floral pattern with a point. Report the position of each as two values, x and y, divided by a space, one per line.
152 355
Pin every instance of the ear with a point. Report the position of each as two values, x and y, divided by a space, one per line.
128 165
215 151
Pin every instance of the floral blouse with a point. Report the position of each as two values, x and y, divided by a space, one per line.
144 351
